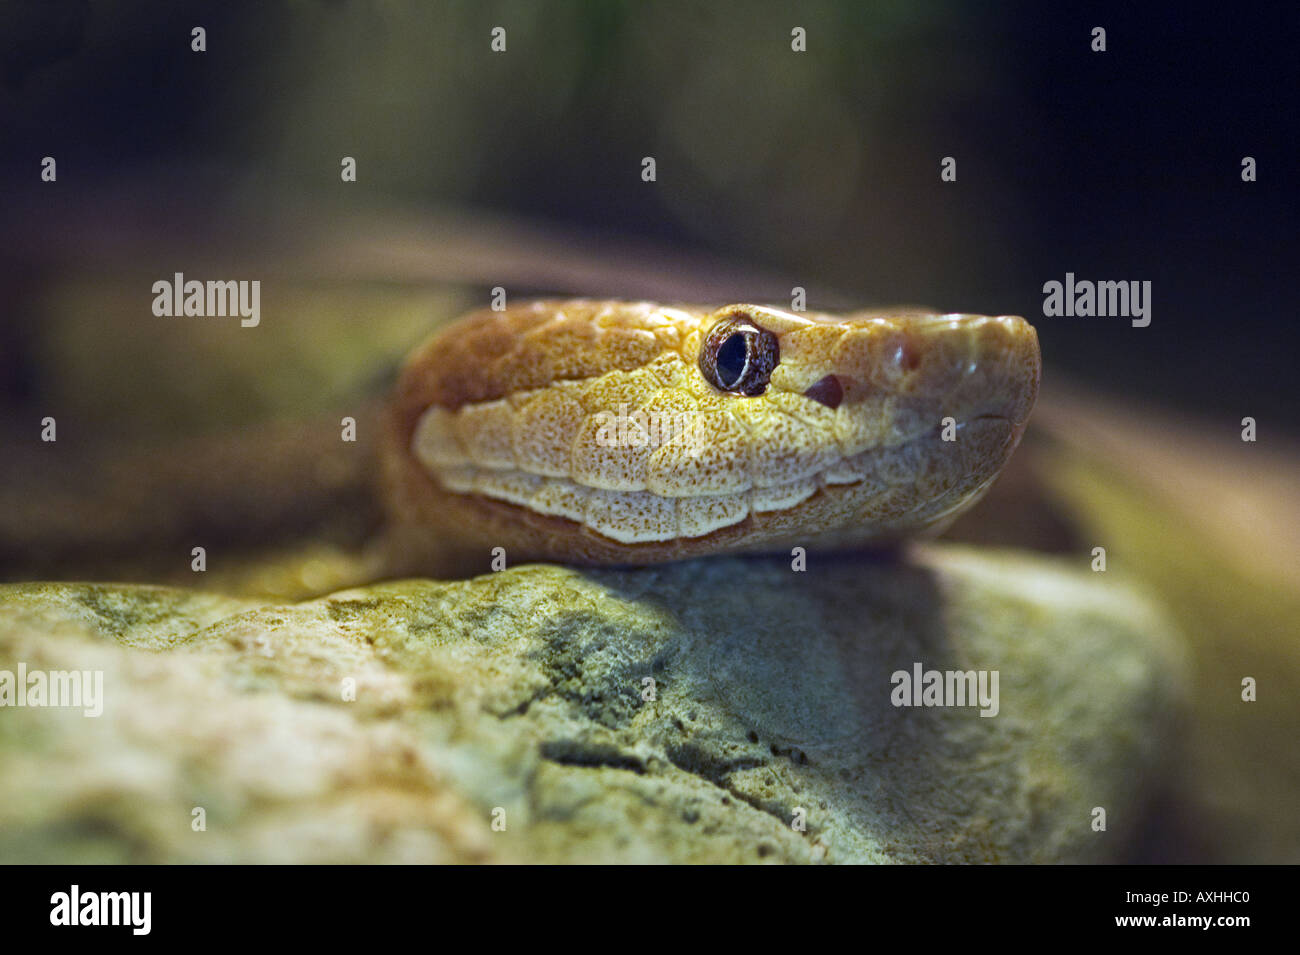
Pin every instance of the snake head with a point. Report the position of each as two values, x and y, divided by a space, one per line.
632 432
910 416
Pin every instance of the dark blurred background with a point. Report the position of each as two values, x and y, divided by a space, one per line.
819 169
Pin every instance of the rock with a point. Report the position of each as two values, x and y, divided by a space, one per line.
524 697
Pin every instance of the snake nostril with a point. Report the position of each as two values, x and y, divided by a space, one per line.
909 356
826 391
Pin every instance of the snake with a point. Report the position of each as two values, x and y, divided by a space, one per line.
619 432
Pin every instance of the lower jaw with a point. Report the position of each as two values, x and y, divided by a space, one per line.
906 494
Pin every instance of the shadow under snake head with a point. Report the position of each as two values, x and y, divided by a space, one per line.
629 432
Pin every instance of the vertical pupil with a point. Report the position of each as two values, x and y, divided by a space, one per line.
731 359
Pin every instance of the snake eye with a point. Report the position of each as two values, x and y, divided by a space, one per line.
738 356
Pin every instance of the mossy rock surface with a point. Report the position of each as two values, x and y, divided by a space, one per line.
395 722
